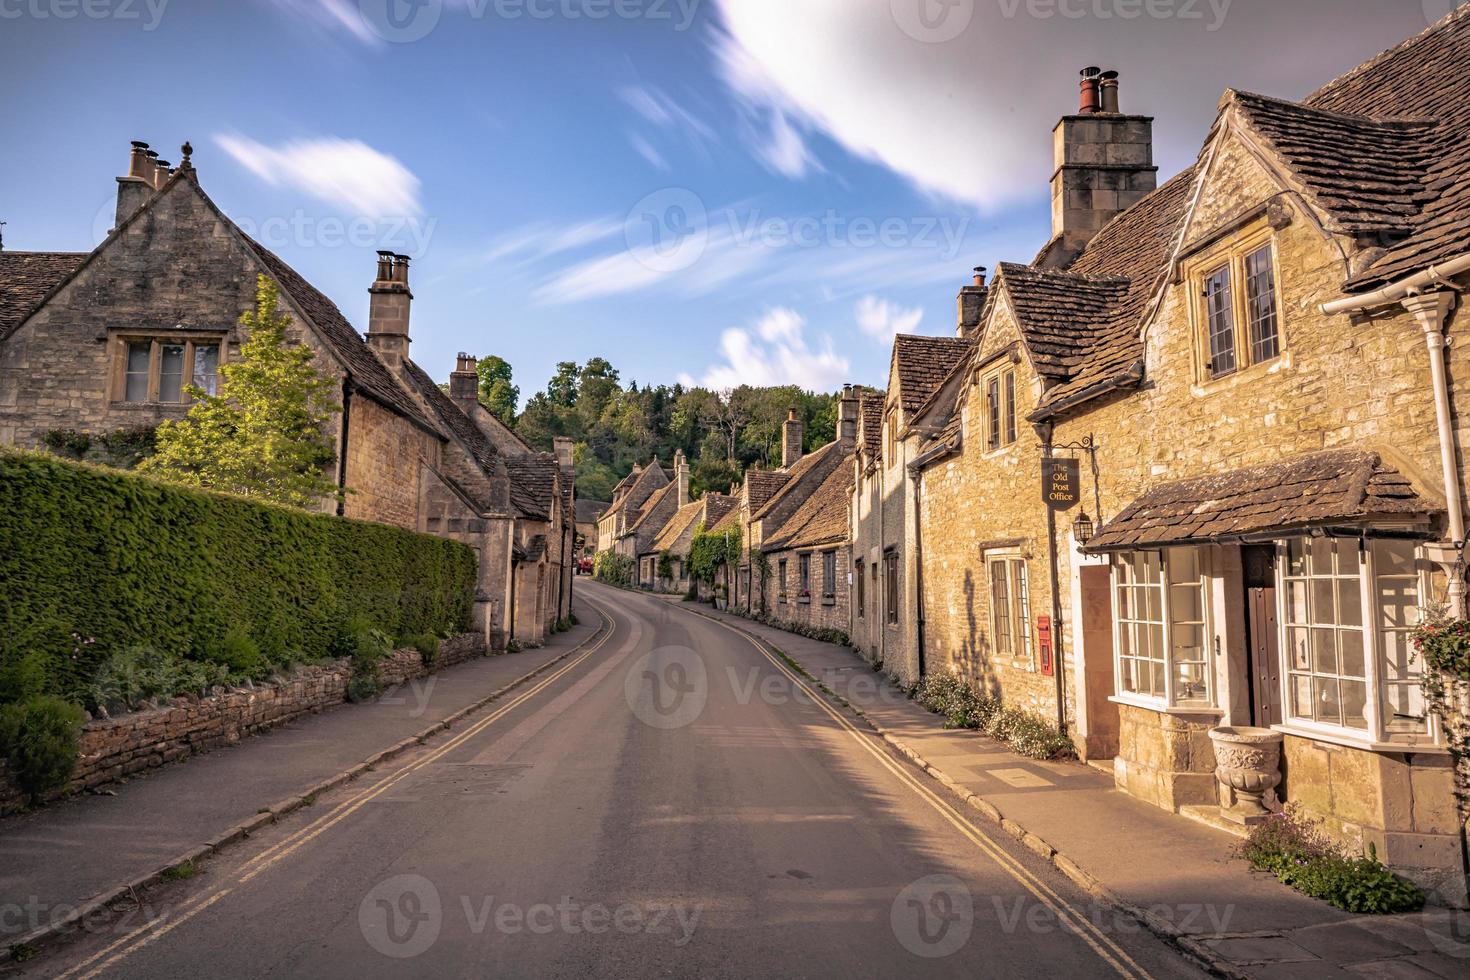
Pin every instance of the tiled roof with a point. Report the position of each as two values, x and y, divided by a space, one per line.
370 375
872 418
1342 485
1059 312
798 475
677 525
729 519
643 478
26 278
532 483
481 449
822 518
923 363
654 499
588 511
761 485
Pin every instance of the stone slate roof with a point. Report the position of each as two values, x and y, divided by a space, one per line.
761 485
797 476
727 521
454 421
654 499
26 278
533 483
923 363
588 511
1297 492
1058 313
822 518
871 411
708 509
646 476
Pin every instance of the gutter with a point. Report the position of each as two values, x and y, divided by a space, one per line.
948 448
1132 376
1435 275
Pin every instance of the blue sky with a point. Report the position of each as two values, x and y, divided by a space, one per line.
720 191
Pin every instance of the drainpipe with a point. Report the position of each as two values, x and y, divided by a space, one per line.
918 479
1058 663
342 463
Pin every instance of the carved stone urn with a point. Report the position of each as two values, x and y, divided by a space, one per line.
1248 765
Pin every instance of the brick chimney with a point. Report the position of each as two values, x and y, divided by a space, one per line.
134 190
681 476
792 433
1104 164
464 383
388 309
562 446
971 304
847 418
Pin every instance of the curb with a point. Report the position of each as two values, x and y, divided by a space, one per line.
1160 927
103 902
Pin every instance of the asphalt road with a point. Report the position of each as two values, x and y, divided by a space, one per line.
670 803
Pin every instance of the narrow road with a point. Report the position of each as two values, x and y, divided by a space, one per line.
671 802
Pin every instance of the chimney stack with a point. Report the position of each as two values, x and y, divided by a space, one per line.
562 446
847 418
681 476
161 174
971 304
134 189
1104 164
464 383
792 436
388 308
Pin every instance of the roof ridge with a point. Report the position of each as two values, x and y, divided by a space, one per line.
1459 12
1404 121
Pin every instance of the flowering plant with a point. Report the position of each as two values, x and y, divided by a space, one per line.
1443 643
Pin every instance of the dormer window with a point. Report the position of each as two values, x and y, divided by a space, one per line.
1000 409
1236 313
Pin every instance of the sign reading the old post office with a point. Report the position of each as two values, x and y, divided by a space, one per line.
1061 483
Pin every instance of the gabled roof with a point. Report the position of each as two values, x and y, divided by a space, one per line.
533 483
588 511
728 520
1342 485
26 278
760 485
646 478
871 411
798 475
707 510
922 364
1058 313
654 499
822 518
454 421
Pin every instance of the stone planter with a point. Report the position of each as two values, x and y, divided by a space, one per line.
1248 766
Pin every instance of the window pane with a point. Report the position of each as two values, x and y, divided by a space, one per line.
1296 556
1220 319
1355 704
1000 607
1324 651
206 364
1350 650
1010 406
1260 291
992 402
1327 701
171 373
1349 602
136 387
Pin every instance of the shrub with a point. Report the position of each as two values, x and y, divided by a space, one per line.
128 561
964 707
614 569
39 738
126 680
239 653
1286 838
427 645
22 677
369 649
1294 848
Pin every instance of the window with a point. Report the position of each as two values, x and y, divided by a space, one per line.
891 438
862 590
829 575
1347 670
804 570
890 585
1236 311
781 580
1010 608
160 371
1161 632
873 571
1000 409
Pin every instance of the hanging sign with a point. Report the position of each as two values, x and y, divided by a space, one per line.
1061 482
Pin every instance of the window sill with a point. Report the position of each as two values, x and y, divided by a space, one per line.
804 602
1158 706
148 406
1211 386
829 602
1354 741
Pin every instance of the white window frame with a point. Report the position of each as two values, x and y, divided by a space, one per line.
1375 737
1168 702
1013 564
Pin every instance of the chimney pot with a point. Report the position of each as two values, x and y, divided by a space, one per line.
1109 92
388 309
385 267
979 275
1090 99
400 269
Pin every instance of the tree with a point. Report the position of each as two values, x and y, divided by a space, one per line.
499 396
562 388
264 433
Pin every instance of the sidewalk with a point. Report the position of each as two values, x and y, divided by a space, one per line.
1179 876
62 856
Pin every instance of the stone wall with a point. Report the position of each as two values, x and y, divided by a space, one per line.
1166 759
385 454
116 748
816 611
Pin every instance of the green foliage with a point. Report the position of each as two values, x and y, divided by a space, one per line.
1444 645
499 396
614 569
39 737
182 871
665 564
964 707
126 680
22 677
264 435
98 563
240 654
370 647
427 644
1294 848
708 553
122 449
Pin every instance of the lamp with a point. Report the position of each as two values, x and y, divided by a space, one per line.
1082 528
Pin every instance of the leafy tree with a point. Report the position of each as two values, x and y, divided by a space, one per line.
264 434
497 393
562 388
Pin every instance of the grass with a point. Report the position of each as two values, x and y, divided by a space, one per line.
182 871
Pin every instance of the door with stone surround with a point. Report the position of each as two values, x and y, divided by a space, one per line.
1263 660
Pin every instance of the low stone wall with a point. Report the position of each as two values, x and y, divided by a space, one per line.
1165 759
114 748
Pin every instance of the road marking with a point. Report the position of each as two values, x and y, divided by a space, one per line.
127 946
1109 951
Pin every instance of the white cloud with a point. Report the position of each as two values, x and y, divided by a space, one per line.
658 107
532 243
346 173
774 351
647 151
332 16
882 320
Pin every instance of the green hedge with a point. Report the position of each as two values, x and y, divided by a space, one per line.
96 563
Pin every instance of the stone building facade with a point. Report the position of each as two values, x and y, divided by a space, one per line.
629 498
674 540
106 341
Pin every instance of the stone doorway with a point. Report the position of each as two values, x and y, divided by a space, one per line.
1263 659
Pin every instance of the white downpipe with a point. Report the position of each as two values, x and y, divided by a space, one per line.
1430 311
1434 275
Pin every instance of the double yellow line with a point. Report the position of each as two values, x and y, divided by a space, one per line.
135 940
1099 941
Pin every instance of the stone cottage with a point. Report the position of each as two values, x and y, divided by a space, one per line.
674 540
108 340
1249 370
629 498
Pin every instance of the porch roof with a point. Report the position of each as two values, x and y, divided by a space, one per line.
1296 492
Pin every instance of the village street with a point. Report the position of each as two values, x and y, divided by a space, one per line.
669 802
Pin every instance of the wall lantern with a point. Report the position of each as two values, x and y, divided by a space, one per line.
1082 528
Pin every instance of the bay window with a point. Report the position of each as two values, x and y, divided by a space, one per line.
1161 628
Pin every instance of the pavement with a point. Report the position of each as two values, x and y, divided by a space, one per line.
671 800
57 858
1180 877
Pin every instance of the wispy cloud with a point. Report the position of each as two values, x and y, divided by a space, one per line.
533 243
346 173
656 106
774 351
332 17
882 320
646 150
771 118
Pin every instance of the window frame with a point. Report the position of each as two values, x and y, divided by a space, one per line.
781 580
890 587
1000 417
1010 569
191 343
862 589
1231 257
1167 700
804 575
829 576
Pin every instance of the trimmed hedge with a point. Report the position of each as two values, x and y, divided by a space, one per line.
95 563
